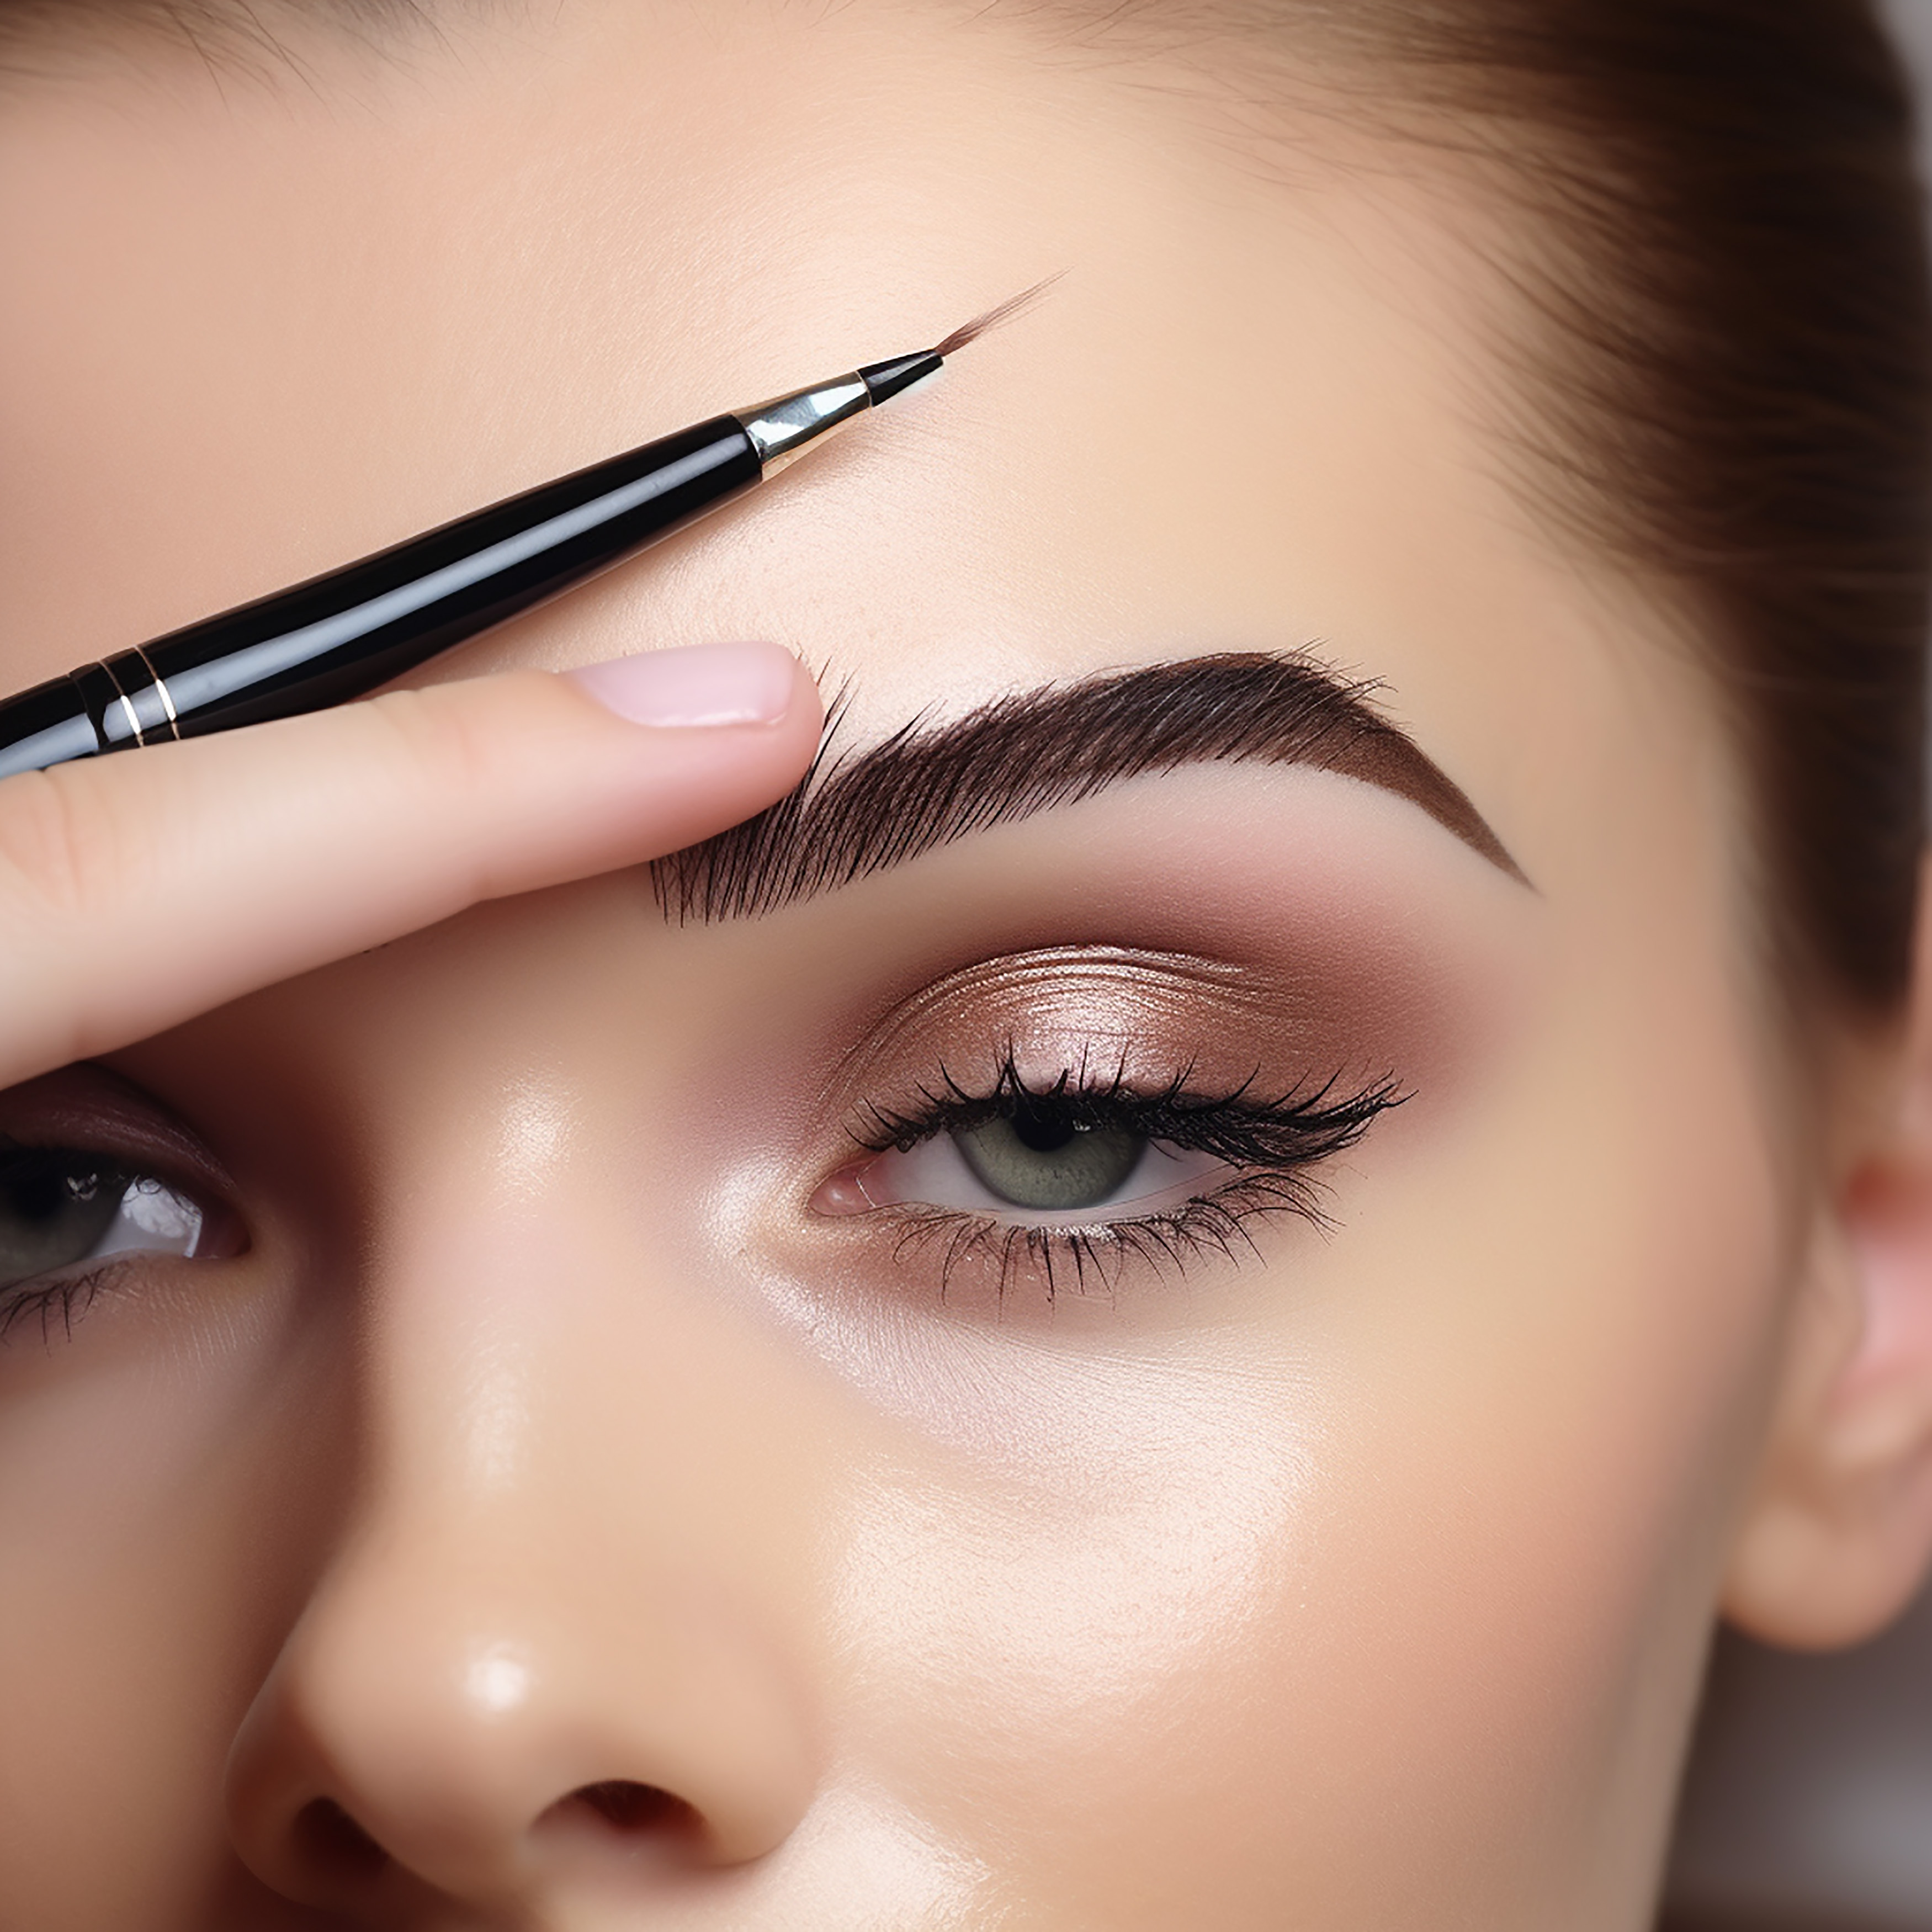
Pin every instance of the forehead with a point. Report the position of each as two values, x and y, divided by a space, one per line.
262 323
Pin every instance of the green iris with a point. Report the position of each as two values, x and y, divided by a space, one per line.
55 1207
1039 1156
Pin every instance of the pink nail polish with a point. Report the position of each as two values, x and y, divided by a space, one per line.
701 685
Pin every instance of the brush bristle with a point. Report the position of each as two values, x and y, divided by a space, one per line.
971 331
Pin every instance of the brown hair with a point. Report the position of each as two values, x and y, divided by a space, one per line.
1731 380
1734 378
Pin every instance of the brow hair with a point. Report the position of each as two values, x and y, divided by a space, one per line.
859 812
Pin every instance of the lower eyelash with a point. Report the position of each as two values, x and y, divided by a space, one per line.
1213 1224
61 1303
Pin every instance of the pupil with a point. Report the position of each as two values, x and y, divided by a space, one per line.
39 1189
1042 1127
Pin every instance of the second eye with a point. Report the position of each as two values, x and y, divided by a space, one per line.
60 1209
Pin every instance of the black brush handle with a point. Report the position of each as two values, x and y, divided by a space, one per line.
341 634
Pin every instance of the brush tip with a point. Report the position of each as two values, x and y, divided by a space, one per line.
885 380
1005 311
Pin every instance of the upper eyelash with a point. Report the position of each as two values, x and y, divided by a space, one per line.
1305 1125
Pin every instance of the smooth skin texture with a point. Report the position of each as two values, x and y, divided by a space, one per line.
539 1515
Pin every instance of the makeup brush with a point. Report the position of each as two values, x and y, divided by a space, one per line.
339 636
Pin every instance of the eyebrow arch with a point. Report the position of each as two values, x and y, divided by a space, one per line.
862 811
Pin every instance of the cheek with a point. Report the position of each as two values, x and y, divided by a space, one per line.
161 1498
1067 1636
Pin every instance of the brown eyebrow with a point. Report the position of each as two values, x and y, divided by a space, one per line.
862 812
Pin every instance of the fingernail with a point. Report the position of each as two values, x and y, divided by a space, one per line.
703 684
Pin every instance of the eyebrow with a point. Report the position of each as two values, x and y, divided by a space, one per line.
861 811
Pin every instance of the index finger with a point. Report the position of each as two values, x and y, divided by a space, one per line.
139 890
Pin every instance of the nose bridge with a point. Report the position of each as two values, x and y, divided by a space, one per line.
543 1365
576 1598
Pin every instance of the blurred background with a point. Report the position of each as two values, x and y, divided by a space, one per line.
1808 1805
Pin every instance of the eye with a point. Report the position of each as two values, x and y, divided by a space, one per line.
62 1209
1096 1176
1040 1157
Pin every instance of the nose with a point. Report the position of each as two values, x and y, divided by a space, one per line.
428 1728
566 1636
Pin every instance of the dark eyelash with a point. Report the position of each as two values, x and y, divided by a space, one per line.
1306 1124
1278 1142
59 1303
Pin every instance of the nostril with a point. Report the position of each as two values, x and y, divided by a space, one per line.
334 1843
629 1807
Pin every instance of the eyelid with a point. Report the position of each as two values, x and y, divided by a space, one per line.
1219 1018
88 1109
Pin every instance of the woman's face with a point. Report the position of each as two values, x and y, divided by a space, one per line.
1187 1358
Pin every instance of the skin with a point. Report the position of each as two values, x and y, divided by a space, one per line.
535 1434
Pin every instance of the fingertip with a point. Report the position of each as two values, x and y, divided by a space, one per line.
702 686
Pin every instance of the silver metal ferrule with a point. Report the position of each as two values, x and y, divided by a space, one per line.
780 429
